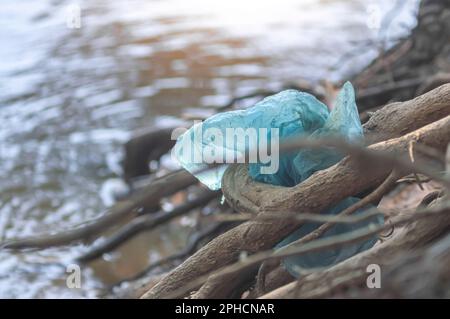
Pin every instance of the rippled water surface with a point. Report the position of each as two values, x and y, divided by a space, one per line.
69 98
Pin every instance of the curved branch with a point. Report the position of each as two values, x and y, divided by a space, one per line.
145 223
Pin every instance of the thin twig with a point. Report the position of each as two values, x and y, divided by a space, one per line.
301 217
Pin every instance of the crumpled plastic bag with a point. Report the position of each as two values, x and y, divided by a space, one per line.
331 256
293 113
343 122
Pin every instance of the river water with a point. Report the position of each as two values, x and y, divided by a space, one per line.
70 97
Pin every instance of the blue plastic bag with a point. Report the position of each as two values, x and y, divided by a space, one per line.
331 256
291 113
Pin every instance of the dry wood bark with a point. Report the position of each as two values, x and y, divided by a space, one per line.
316 193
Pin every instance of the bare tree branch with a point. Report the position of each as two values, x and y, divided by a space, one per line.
145 223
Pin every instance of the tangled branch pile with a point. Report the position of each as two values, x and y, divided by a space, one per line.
406 142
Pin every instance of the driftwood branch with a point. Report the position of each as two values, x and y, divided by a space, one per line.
145 223
120 212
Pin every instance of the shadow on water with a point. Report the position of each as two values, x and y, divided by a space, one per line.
69 98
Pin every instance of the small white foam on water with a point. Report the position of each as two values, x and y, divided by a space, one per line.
100 136
112 190
171 83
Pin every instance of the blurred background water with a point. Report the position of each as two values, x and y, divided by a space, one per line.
69 99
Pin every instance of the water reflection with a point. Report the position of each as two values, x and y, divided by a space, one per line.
70 97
